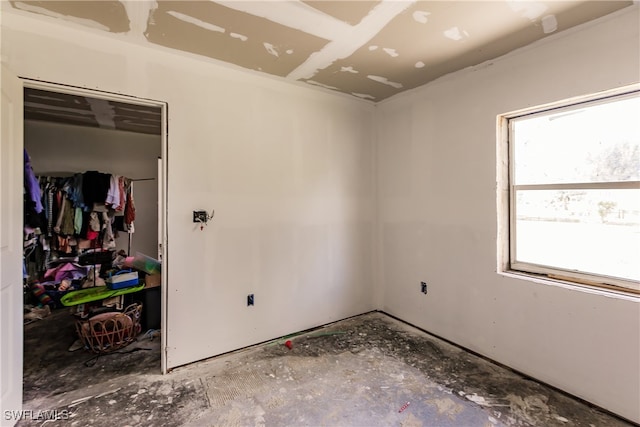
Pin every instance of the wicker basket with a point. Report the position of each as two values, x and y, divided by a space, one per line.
107 332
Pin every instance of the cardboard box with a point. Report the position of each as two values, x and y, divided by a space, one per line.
152 281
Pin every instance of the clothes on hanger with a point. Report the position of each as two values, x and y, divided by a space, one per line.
31 184
76 213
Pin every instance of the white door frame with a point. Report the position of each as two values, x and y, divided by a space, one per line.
162 185
11 248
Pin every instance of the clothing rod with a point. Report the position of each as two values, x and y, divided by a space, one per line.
71 174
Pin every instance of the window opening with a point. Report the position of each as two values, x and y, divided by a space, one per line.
574 192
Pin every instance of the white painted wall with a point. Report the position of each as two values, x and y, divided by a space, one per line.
437 206
288 170
62 148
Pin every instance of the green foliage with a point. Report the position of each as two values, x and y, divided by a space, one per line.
605 208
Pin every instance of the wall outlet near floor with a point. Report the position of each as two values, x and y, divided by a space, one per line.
423 287
250 300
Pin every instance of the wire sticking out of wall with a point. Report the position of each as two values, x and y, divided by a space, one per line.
202 217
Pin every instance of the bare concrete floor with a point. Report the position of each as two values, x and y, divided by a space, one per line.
370 370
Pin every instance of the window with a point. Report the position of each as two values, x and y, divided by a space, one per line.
574 192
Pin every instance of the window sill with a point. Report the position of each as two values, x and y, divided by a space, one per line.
573 286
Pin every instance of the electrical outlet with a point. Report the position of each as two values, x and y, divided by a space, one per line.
250 300
423 287
200 216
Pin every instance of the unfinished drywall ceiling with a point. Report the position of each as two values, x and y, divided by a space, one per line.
369 49
105 15
58 107
233 36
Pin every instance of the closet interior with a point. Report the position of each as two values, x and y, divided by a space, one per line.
91 174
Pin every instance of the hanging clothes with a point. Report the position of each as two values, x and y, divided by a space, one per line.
31 184
32 196
113 194
130 207
123 195
78 212
66 218
49 193
95 186
75 191
108 239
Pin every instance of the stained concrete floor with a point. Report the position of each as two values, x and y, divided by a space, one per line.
370 370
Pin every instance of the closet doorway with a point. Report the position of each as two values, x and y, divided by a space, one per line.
69 132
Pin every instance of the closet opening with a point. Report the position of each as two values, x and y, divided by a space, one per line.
94 237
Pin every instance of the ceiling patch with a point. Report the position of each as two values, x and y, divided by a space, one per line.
135 123
59 116
103 111
107 15
51 12
454 33
50 98
391 52
385 81
196 21
363 95
56 109
549 24
531 10
219 29
346 43
292 14
351 12
138 13
348 70
239 36
272 50
42 105
321 85
485 30
421 16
